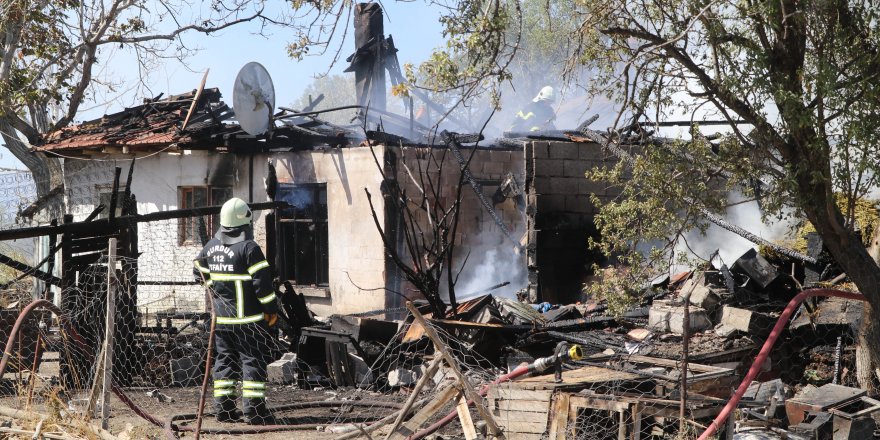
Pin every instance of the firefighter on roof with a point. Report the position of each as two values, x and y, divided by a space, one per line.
240 279
538 115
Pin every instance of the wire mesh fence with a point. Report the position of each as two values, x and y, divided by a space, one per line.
159 364
629 384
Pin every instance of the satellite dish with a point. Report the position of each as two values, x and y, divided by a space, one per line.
253 98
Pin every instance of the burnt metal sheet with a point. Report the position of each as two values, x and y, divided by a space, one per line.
757 268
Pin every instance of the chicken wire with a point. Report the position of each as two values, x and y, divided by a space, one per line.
168 298
159 354
412 357
159 358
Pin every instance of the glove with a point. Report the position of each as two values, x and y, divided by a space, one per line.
271 319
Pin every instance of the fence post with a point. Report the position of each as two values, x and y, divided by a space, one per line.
107 381
685 353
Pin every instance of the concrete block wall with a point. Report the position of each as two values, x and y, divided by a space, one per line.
561 215
477 232
559 179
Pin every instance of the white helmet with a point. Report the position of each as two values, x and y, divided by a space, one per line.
235 212
546 94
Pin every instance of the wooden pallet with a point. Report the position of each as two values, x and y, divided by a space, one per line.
628 413
523 408
521 413
532 407
579 378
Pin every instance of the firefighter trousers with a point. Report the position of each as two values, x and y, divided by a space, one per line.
242 354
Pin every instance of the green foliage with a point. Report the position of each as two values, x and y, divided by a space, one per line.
865 216
802 75
618 287
46 40
647 222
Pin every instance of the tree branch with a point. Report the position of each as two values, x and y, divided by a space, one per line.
177 32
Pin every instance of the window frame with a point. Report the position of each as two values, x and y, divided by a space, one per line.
187 233
107 191
288 224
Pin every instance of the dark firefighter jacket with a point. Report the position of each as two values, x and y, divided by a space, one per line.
234 267
534 117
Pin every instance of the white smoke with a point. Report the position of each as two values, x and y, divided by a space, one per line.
494 266
492 261
730 246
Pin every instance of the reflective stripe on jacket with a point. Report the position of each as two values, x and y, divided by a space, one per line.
240 278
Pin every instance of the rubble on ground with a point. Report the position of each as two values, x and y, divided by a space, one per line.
730 314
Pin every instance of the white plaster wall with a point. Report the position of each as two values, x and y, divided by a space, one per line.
356 253
155 184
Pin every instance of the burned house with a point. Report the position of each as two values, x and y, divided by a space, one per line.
533 211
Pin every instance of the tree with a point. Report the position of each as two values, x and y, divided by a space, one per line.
795 80
797 84
50 50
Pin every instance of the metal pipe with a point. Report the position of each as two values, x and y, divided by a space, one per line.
765 351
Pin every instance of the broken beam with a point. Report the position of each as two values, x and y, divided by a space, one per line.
429 373
466 389
106 224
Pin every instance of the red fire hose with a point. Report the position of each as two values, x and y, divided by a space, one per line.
169 425
765 351
21 318
519 371
562 354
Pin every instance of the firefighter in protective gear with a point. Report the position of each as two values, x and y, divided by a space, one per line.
538 115
234 267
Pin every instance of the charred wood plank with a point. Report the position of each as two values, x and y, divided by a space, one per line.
37 273
97 226
94 214
85 259
114 195
89 245
127 207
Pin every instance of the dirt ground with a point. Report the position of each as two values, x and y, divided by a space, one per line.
176 401
126 424
124 418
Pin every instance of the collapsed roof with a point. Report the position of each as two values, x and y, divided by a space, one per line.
158 125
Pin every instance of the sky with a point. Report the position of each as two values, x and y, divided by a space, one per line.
414 25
